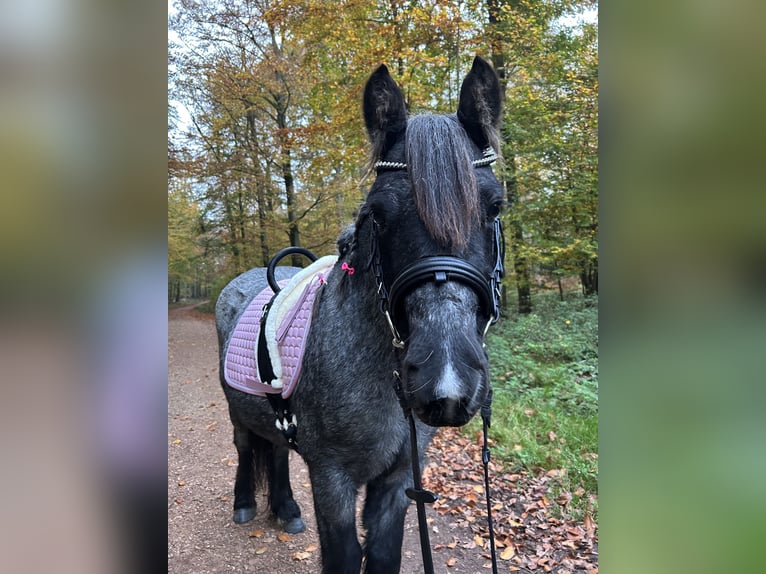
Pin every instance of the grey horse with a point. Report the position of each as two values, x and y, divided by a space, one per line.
433 200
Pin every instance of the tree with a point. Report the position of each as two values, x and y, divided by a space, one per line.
550 134
183 250
276 146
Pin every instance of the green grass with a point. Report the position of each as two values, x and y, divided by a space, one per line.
544 370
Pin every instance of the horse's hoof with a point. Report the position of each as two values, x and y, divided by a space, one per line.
242 515
294 525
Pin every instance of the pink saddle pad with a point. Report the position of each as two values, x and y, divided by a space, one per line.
241 363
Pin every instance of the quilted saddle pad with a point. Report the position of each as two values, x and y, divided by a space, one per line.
286 332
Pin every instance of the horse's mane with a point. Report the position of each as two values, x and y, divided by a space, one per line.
439 163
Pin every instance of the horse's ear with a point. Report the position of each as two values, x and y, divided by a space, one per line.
480 104
385 113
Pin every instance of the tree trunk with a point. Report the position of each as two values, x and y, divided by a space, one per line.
234 240
261 181
241 225
520 266
287 176
589 277
265 253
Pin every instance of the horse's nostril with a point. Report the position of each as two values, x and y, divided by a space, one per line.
445 412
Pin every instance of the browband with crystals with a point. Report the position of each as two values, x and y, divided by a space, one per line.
489 156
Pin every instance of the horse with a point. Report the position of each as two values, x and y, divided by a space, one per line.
419 266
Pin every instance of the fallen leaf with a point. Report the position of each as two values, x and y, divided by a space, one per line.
590 525
257 533
284 537
181 483
508 553
478 540
301 556
312 548
564 498
261 550
177 441
451 561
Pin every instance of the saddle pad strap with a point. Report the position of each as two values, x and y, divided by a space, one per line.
265 368
290 317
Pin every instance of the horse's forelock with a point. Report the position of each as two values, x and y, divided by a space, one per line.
443 178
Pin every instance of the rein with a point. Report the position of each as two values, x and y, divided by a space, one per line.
440 269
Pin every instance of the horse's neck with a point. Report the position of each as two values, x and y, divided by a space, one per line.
349 312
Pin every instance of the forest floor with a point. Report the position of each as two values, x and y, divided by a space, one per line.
534 531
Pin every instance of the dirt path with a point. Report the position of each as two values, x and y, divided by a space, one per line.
201 466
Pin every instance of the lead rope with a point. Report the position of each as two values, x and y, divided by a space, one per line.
417 492
421 497
486 415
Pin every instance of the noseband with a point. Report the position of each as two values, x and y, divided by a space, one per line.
440 269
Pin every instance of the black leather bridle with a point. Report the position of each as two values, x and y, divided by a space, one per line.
440 269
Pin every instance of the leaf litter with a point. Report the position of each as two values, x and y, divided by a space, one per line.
534 530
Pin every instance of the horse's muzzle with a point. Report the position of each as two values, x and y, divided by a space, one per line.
448 388
445 367
445 413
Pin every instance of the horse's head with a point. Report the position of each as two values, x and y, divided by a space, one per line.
431 224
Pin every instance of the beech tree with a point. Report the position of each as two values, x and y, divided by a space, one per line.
276 146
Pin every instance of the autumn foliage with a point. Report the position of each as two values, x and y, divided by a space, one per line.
266 141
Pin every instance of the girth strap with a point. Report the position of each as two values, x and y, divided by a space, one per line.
286 421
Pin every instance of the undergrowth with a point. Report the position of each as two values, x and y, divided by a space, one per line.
544 370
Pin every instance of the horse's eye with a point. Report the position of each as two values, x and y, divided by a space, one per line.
494 209
379 219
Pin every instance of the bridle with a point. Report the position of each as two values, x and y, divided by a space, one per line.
439 269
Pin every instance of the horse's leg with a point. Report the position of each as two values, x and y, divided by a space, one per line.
244 485
384 510
335 509
281 499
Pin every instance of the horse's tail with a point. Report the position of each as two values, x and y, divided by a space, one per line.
263 462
